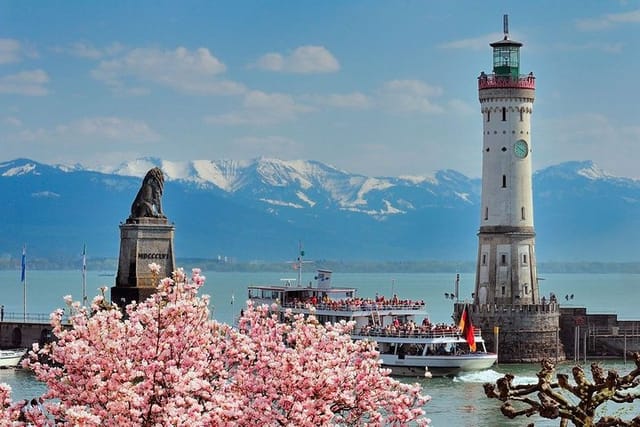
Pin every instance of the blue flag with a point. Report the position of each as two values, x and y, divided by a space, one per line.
24 264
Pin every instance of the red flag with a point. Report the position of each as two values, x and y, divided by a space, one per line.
466 327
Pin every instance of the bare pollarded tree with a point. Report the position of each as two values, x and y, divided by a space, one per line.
570 401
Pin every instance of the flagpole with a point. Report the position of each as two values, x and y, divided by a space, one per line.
24 283
84 275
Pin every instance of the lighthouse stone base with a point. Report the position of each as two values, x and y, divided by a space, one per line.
525 333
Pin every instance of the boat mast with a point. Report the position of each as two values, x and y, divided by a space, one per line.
300 262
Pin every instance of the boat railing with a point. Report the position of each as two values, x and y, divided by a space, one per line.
347 307
444 333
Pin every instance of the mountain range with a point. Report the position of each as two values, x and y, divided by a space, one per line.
261 209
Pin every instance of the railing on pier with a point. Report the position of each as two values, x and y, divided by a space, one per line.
15 317
491 81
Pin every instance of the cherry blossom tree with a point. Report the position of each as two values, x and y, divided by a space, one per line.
165 362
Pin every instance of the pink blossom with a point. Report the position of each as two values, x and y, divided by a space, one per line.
155 268
165 362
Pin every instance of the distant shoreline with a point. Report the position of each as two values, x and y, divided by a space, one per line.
109 265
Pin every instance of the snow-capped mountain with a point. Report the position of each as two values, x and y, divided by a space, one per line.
308 184
260 209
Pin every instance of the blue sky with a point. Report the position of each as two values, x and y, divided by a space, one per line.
382 88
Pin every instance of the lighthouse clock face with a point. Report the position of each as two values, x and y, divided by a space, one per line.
521 149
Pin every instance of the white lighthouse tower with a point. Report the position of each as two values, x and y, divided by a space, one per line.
507 304
506 265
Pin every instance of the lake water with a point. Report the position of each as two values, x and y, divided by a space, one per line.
456 401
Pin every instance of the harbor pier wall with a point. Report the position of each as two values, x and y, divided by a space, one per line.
24 334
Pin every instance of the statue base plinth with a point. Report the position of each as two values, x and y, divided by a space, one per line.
142 241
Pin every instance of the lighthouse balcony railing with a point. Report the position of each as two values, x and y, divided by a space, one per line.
491 81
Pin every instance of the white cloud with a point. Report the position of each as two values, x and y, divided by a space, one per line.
476 43
304 59
608 21
354 100
406 96
194 72
29 83
13 51
95 128
594 46
260 108
268 146
590 136
88 51
9 51
462 107
12 121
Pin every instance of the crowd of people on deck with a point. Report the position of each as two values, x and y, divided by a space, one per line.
365 304
410 328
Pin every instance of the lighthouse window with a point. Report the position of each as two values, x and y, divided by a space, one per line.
522 213
484 259
503 290
504 114
504 181
503 259
489 115
521 114
486 214
524 258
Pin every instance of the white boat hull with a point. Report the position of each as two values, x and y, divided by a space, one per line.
11 358
438 365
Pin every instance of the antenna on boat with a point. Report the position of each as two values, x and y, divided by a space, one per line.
297 264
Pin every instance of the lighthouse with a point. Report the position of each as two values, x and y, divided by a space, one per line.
507 304
506 264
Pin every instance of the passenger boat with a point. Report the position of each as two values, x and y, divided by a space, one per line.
11 358
409 344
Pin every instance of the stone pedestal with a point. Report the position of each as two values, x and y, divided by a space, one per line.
142 241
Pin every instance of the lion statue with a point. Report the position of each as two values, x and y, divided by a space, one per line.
148 201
